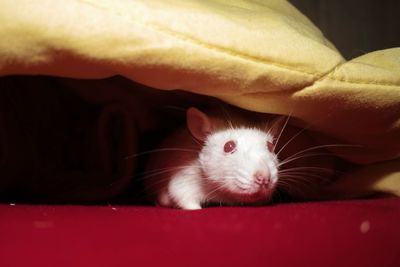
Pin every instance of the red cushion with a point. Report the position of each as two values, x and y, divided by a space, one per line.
341 233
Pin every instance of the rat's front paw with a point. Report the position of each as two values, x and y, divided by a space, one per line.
191 206
165 200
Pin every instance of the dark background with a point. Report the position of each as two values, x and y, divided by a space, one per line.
355 27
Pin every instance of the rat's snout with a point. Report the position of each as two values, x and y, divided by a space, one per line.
262 177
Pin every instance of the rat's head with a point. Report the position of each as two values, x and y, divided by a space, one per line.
240 162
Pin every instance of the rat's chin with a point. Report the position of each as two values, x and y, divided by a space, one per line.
251 195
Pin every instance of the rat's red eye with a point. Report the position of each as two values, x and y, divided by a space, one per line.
230 146
270 146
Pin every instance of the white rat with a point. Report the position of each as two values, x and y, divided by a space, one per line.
211 161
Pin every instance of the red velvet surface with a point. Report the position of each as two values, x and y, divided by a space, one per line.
341 233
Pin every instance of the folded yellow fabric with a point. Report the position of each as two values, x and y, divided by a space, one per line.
260 55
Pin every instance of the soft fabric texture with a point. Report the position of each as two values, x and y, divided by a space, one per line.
260 55
346 233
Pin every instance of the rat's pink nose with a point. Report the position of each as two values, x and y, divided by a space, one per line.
262 177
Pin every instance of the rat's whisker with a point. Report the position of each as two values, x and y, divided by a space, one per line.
295 177
227 116
291 139
162 150
196 141
283 128
306 168
156 182
323 146
309 177
295 188
210 195
288 160
167 168
316 148
157 171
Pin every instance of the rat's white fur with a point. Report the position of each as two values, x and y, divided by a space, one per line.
217 176
184 189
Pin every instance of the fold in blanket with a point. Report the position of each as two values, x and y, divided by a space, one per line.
261 56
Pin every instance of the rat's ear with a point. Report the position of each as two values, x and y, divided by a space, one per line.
277 125
198 123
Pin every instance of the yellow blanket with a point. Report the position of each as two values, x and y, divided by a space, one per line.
260 55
